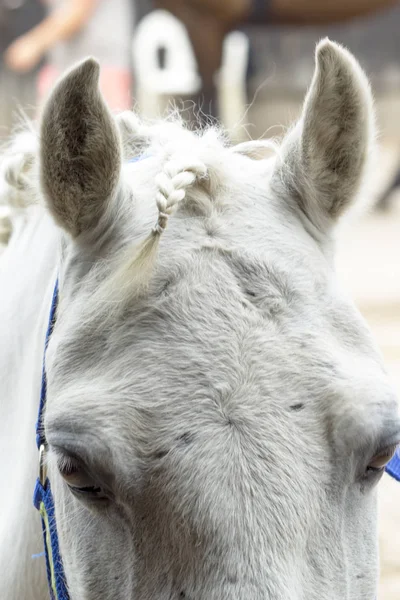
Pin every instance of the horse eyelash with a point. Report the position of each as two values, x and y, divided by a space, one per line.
67 466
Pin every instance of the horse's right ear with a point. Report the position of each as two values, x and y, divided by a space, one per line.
324 158
80 151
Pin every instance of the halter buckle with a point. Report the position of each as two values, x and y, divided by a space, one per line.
42 464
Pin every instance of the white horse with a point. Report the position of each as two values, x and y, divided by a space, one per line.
218 415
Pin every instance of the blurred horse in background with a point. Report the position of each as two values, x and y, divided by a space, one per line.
209 21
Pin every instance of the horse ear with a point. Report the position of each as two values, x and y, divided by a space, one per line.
80 150
323 158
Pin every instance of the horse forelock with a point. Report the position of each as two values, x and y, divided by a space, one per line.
167 169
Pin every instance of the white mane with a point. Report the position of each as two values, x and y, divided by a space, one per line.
189 161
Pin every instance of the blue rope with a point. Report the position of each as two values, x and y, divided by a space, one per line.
40 439
43 497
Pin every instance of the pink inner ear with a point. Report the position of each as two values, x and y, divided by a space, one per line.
115 85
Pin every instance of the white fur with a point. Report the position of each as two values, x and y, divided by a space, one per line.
228 408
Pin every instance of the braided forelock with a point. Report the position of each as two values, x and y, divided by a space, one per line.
177 176
132 277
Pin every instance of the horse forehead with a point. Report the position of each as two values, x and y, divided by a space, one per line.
227 329
218 289
214 350
220 312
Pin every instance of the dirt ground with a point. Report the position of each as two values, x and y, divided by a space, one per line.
369 266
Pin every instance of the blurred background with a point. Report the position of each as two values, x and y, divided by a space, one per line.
247 64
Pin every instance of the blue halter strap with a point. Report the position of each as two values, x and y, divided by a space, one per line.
42 497
393 468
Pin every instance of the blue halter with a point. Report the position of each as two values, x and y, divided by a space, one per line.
43 498
393 468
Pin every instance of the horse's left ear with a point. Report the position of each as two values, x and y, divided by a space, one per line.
80 151
323 158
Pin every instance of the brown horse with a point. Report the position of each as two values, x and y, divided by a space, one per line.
208 22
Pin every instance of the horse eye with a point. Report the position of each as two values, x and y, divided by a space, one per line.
67 467
78 481
379 462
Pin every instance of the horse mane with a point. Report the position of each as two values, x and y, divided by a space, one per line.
16 167
17 187
189 160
